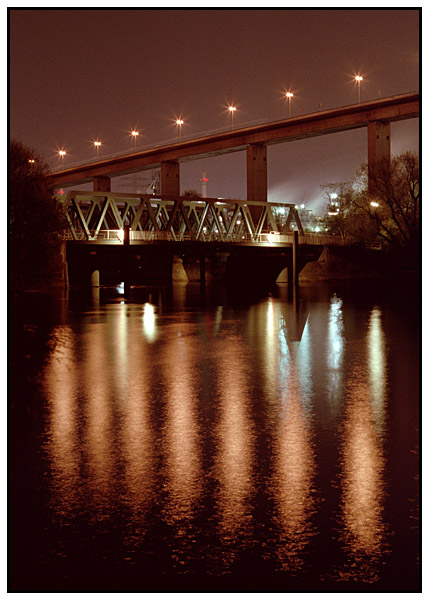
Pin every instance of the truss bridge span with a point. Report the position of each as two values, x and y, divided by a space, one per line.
137 238
114 218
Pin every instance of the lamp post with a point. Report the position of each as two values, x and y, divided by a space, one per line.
358 79
179 123
62 154
289 96
97 145
135 133
232 110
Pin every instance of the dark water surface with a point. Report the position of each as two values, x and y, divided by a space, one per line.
170 441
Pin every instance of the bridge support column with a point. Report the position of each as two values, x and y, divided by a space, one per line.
170 178
295 272
95 278
126 257
256 178
257 172
101 183
178 270
378 148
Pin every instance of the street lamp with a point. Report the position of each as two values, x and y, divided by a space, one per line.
289 96
97 145
232 110
135 133
62 154
358 79
179 123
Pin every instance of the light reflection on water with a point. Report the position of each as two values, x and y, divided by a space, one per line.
181 437
162 415
294 465
137 442
234 449
64 450
335 354
363 493
364 531
377 366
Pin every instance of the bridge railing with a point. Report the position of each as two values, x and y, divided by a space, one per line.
116 236
322 239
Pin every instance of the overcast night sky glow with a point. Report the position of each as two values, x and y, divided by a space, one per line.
81 75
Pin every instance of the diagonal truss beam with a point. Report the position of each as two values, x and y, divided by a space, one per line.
205 219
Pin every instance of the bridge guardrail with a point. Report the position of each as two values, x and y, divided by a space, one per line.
117 235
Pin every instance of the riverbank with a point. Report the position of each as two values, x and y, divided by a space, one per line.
354 262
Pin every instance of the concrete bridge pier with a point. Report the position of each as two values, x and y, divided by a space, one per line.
378 148
170 178
101 183
126 258
295 270
95 278
178 273
256 156
256 168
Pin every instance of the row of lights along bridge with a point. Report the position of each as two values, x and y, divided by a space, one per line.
180 122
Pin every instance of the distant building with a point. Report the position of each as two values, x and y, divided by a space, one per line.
310 221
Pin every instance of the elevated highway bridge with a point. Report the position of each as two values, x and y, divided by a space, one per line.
375 116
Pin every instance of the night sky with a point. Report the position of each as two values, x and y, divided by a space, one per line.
81 75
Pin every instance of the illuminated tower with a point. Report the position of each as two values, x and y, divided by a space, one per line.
204 181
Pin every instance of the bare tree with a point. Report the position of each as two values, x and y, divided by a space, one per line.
394 204
343 218
390 212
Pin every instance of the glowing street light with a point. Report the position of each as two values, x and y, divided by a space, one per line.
97 145
62 154
358 79
135 133
374 204
232 110
289 96
179 123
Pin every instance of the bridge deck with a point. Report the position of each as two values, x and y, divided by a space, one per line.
115 237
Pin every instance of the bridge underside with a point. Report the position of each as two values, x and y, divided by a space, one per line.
143 263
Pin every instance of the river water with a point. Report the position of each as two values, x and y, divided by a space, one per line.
187 439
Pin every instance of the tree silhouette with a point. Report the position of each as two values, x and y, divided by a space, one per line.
394 202
390 212
36 221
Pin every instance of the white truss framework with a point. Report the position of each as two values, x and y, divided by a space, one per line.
91 214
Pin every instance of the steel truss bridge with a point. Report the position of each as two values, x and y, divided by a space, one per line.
109 218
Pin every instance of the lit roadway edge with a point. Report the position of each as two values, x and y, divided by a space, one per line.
395 108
